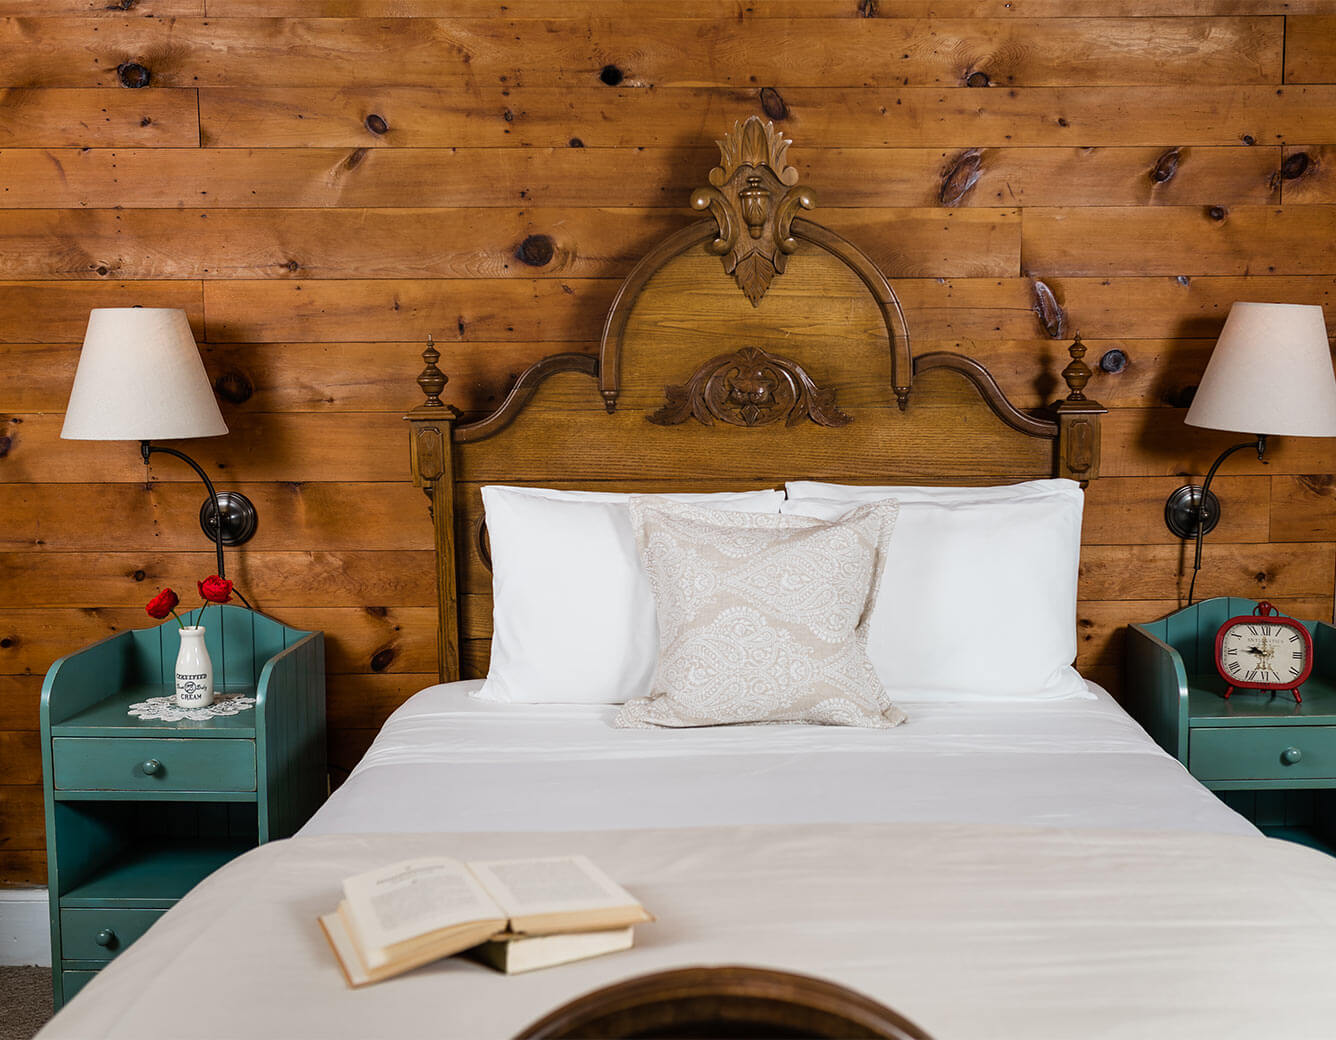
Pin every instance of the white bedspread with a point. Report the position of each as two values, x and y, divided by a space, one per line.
971 931
446 762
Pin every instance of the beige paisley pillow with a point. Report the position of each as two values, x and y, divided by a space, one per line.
762 618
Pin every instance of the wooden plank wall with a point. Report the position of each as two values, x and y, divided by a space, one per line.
322 183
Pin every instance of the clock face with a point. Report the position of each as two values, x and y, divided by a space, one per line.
1263 653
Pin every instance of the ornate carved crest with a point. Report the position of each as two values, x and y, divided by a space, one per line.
753 198
750 388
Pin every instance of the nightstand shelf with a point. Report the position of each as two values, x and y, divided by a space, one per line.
1268 757
155 876
139 811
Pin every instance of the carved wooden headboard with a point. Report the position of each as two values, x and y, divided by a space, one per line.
749 348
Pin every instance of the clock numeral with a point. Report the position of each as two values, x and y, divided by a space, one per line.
1253 629
1252 675
1232 651
1294 672
1234 668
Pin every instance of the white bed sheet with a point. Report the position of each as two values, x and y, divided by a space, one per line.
447 762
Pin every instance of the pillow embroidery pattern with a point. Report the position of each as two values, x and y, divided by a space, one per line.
762 618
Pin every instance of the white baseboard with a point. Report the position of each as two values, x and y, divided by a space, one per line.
25 929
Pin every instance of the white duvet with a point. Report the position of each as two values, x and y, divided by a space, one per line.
446 761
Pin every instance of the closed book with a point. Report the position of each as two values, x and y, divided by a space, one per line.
513 955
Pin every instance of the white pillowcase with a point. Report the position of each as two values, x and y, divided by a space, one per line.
979 597
801 489
573 618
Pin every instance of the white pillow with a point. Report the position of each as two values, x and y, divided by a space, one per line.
572 615
762 618
852 493
979 598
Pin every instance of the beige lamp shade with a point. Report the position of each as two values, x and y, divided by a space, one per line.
140 378
1270 373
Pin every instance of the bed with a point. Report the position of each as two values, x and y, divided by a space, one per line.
992 868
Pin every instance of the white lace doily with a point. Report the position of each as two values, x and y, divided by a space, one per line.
167 710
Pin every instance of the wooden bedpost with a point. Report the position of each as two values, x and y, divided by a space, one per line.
430 446
1078 421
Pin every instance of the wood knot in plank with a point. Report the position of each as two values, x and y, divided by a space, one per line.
575 142
133 75
1113 361
139 575
6 443
868 8
610 75
1217 213
961 176
382 659
233 386
978 79
1321 484
1295 166
1049 312
773 104
536 251
354 159
1165 166
376 124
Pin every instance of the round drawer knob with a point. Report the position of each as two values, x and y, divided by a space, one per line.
1291 755
152 767
106 937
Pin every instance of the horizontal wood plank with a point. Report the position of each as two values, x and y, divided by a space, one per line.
1258 571
57 312
1310 48
366 701
1308 174
1211 240
830 117
751 10
406 310
20 699
111 118
448 243
877 52
22 818
24 867
261 178
270 580
1303 507
160 517
20 757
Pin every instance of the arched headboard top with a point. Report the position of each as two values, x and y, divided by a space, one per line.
746 349
753 198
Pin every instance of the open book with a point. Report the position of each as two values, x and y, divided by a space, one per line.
396 918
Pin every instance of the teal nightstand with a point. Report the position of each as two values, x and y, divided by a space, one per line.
1266 756
138 811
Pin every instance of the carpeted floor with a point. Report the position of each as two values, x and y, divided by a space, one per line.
25 1001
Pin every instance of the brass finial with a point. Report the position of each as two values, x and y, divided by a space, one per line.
432 380
1077 373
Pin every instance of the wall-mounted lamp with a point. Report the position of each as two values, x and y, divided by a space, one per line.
1269 375
140 378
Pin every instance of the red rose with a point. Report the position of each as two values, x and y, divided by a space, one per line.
215 589
162 604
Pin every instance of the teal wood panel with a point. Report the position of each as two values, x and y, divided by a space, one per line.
99 933
73 981
291 718
1263 753
127 765
1156 688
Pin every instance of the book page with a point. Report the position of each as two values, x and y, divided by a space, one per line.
525 887
391 904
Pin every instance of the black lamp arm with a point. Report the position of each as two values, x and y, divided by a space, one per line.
1259 443
148 449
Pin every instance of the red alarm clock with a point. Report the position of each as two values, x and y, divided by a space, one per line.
1264 651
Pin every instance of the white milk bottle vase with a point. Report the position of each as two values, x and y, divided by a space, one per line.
194 670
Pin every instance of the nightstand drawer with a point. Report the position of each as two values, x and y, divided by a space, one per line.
90 935
97 764
1263 753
